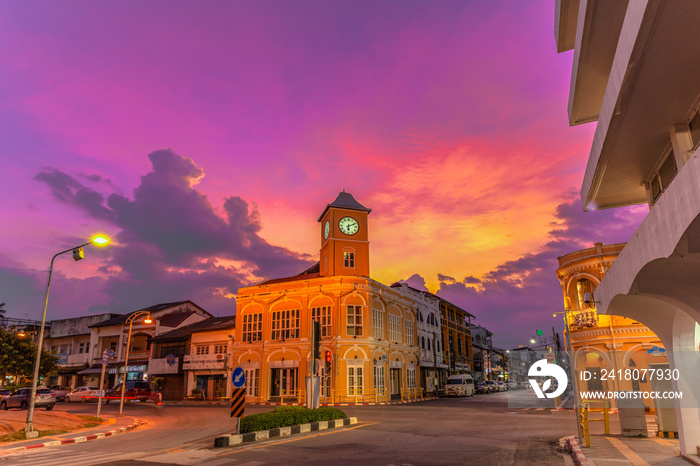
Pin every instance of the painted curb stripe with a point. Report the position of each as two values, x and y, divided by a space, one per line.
55 443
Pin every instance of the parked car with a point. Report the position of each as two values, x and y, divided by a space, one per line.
80 392
491 386
459 385
60 392
45 398
512 385
480 387
502 386
134 389
4 393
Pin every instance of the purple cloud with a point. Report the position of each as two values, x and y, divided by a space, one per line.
171 243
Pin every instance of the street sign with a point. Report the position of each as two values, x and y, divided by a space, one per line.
238 402
238 377
551 358
540 333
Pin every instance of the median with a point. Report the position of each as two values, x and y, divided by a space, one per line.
284 421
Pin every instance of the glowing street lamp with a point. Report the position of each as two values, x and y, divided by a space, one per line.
130 320
97 240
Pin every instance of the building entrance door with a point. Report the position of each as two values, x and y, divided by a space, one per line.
395 383
283 383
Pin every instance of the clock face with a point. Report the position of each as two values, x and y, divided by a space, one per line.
326 230
348 225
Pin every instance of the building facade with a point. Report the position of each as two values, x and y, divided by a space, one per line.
113 334
368 329
635 73
456 324
71 340
603 343
433 370
194 360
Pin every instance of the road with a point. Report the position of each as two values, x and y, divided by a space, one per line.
480 430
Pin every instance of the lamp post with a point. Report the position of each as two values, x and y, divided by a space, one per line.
130 320
572 366
98 240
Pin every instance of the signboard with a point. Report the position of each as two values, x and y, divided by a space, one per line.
107 355
551 358
238 377
238 402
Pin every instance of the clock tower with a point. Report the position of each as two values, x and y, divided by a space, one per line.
344 238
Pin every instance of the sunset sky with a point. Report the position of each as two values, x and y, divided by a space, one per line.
207 137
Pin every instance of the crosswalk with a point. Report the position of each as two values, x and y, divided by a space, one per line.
50 456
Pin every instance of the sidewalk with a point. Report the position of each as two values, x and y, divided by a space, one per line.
113 426
614 449
268 403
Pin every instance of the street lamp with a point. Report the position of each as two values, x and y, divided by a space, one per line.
130 320
572 364
97 240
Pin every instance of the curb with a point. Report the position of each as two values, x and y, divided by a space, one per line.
239 439
73 440
379 403
576 453
267 403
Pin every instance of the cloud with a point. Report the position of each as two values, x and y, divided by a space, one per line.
519 296
172 244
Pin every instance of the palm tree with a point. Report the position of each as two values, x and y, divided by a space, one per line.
2 311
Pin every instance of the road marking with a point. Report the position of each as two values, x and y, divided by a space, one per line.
270 444
628 452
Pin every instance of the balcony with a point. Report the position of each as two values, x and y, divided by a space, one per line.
76 359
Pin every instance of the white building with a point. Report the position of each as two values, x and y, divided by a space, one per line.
433 370
636 72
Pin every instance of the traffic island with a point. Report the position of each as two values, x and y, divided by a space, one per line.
250 437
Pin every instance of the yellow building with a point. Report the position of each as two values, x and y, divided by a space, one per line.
604 346
368 329
457 338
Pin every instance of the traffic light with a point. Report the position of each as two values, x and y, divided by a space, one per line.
328 362
317 339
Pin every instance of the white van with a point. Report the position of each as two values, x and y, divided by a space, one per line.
459 385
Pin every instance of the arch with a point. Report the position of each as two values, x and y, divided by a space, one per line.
249 354
378 304
285 303
317 301
354 295
630 352
250 308
282 352
355 348
591 349
397 355
572 283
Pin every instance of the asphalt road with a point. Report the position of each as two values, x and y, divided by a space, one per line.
480 430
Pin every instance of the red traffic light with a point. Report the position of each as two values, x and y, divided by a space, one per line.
328 356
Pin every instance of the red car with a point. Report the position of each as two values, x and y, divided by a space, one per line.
134 390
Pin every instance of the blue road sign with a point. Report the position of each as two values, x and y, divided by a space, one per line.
238 377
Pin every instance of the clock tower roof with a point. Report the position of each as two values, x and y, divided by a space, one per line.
345 201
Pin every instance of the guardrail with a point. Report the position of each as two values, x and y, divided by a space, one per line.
584 420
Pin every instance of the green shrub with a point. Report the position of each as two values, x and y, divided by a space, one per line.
284 416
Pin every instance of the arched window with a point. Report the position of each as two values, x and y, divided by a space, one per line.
420 316
422 342
582 287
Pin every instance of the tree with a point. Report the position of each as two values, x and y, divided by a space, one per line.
2 309
18 354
